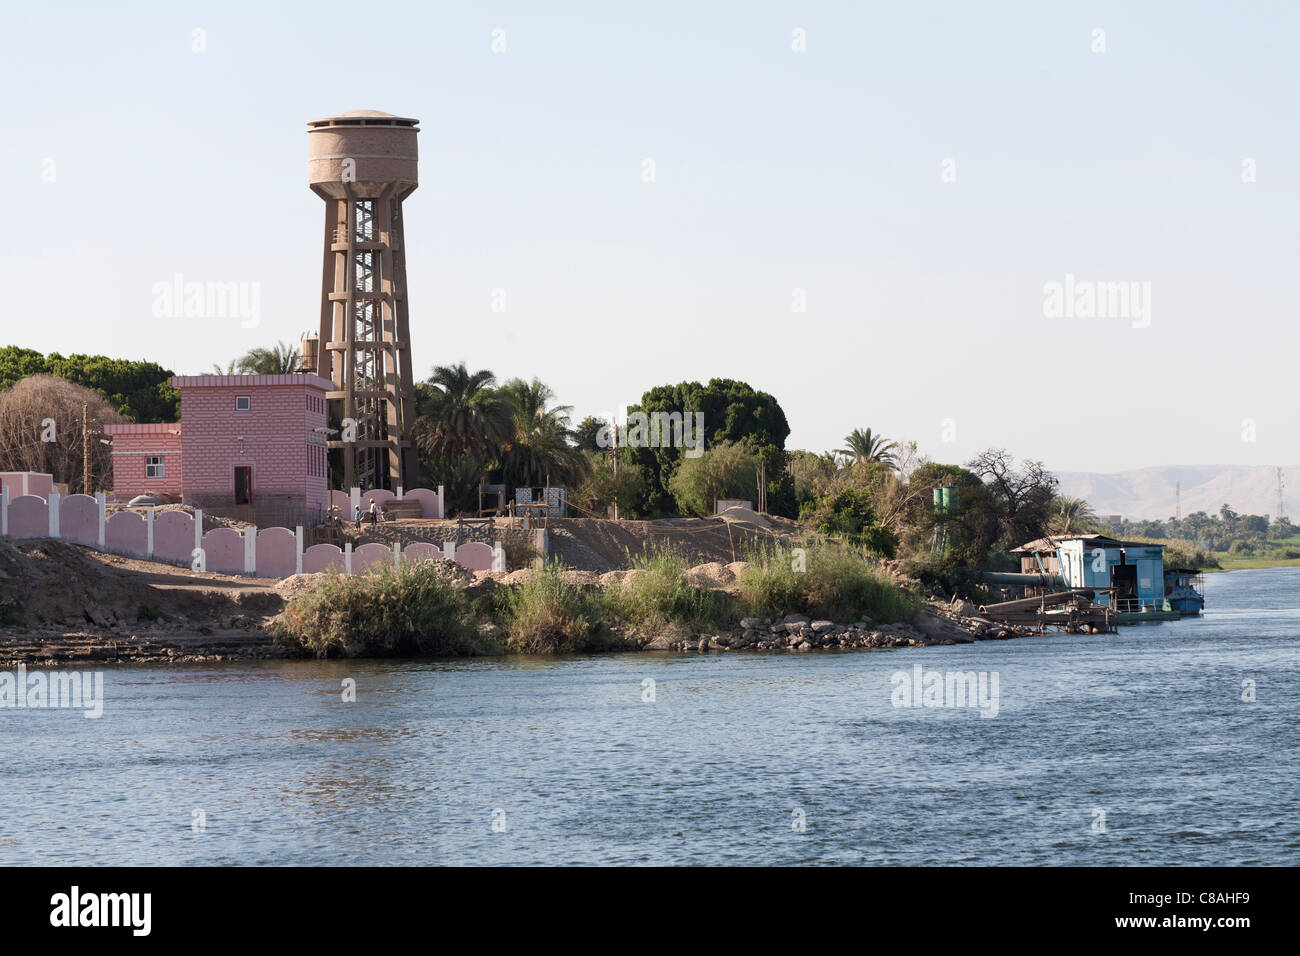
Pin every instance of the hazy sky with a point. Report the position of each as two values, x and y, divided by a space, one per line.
774 171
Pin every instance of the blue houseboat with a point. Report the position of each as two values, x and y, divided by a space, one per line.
1129 576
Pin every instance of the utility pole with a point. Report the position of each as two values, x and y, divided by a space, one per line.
614 423
85 451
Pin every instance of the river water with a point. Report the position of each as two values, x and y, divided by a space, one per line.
1135 748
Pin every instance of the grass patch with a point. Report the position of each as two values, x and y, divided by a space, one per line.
831 582
411 611
658 595
547 615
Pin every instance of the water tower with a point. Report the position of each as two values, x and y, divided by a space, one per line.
363 164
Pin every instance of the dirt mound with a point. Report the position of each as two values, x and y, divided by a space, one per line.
519 577
743 515
714 574
48 582
297 584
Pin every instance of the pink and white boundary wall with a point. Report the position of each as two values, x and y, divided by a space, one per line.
177 537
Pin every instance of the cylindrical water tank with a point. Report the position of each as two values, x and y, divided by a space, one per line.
310 353
366 149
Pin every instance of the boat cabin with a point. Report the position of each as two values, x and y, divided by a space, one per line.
1128 575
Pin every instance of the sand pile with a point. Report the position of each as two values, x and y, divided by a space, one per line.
714 574
43 581
743 515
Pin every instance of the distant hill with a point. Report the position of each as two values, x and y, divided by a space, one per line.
1149 492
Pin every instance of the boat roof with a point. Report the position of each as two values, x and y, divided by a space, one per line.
1050 544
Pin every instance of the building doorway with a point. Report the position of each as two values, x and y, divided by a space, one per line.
243 485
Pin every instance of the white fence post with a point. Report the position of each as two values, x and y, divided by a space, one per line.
397 555
4 512
148 531
347 557
399 492
52 507
498 557
102 501
449 550
354 500
250 549
297 533
442 511
198 529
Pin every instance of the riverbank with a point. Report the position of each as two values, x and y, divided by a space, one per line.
63 604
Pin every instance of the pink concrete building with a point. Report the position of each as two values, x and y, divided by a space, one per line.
247 445
21 483
146 459
254 441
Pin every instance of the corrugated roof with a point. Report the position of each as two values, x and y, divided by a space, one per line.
1050 544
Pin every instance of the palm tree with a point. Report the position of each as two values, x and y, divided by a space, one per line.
231 369
1071 515
280 359
866 447
463 416
539 443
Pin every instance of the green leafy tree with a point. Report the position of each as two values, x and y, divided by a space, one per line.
726 470
138 390
733 413
601 489
849 514
586 434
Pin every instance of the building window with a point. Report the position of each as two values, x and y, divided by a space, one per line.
155 467
243 403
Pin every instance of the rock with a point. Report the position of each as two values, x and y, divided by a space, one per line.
660 643
821 627
938 628
704 645
963 608
796 619
805 646
751 623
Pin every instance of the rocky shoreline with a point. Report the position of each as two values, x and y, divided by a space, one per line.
62 605
253 640
800 633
